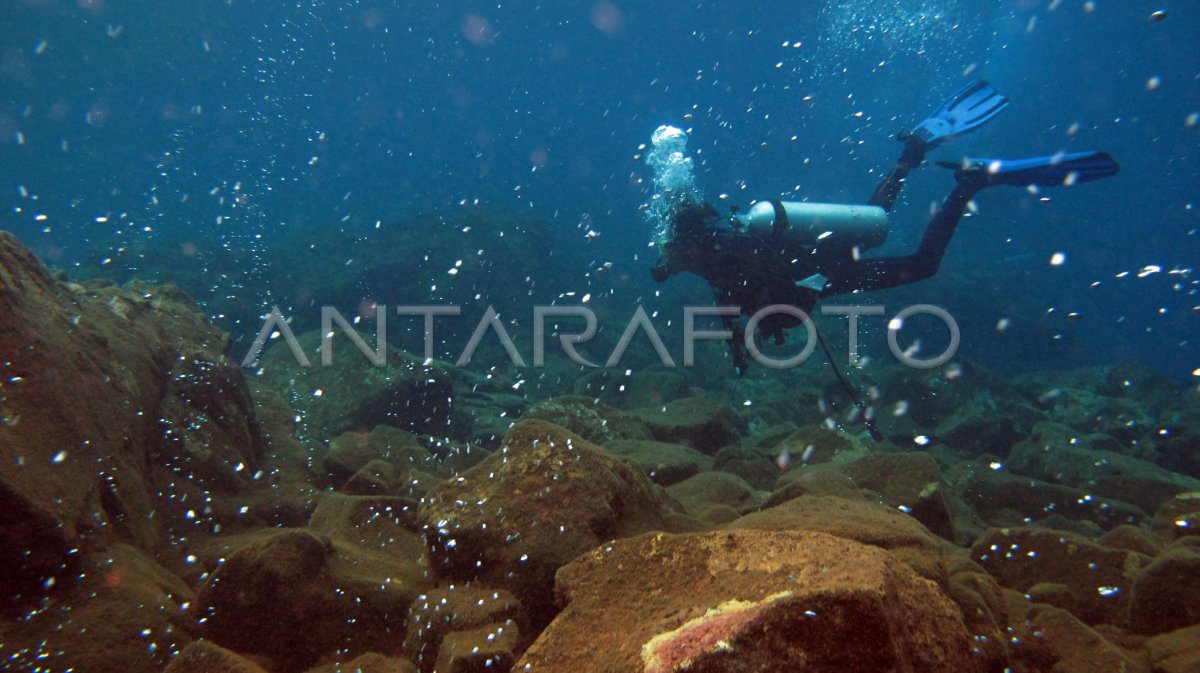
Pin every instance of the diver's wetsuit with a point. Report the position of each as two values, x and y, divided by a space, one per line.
751 272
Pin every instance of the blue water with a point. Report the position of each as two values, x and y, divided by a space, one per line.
195 138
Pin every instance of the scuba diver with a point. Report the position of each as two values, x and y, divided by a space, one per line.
795 253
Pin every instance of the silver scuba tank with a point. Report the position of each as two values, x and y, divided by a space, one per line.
824 226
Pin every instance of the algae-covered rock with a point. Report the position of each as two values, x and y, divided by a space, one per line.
598 423
1058 454
1099 577
546 496
460 608
702 422
125 613
1166 595
341 594
109 397
664 463
745 590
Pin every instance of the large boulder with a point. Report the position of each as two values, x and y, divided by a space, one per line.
754 601
125 613
1097 580
111 396
598 423
664 463
545 497
702 422
346 585
1058 454
1166 595
353 393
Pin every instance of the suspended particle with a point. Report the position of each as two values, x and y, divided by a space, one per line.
1158 15
1153 83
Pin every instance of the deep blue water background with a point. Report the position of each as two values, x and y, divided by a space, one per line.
338 115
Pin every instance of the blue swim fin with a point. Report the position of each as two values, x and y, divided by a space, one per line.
973 106
1052 171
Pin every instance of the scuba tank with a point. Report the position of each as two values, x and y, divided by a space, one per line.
796 225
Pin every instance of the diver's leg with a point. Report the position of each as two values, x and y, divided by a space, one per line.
884 272
889 190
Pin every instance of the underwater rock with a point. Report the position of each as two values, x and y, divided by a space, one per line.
821 479
341 596
1175 652
1133 538
1179 516
1100 578
716 488
442 612
1166 596
1002 498
959 390
598 423
702 422
758 467
858 520
349 452
910 482
352 393
488 648
204 657
1058 454
639 389
814 443
371 662
545 497
105 390
125 613
1074 647
624 610
665 464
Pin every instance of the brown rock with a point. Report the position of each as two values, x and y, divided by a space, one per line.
704 423
458 608
598 423
105 391
544 498
862 521
370 662
1002 498
482 650
1175 652
664 463
910 482
1076 648
1099 577
1133 538
125 613
205 657
350 452
1166 595
716 488
624 610
820 479
1179 516
822 445
339 595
